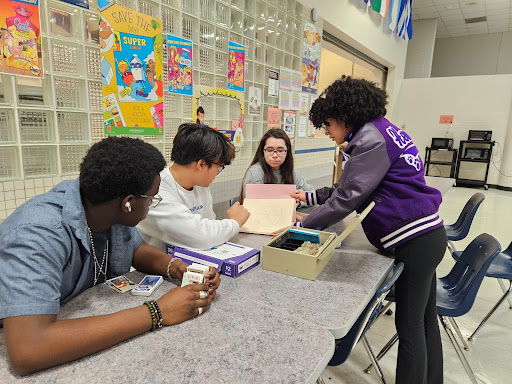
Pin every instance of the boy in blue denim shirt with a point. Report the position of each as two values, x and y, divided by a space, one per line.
79 234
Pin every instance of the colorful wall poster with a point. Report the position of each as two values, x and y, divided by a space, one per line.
289 124
236 67
78 3
131 70
235 133
179 66
296 81
273 83
295 101
20 38
311 57
285 80
254 101
273 117
284 99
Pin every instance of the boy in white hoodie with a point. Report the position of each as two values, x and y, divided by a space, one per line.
185 217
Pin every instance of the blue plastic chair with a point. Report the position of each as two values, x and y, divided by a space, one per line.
456 292
460 229
346 344
233 200
501 268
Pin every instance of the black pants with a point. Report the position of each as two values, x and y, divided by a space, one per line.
420 353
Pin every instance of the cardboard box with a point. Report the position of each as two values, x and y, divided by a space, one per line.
301 264
229 259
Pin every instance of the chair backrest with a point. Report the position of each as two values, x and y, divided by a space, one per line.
345 345
233 200
458 289
463 223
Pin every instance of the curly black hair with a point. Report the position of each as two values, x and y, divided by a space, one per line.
118 167
353 102
195 142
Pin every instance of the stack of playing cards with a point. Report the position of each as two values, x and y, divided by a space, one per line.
120 284
148 284
195 274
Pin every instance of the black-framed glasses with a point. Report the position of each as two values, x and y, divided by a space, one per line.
155 200
279 151
221 167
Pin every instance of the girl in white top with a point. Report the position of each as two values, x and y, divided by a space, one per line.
273 163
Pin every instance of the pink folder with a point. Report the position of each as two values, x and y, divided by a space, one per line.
270 191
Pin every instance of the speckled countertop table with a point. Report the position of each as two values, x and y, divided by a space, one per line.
236 341
263 327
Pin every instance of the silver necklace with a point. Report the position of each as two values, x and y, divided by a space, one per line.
98 268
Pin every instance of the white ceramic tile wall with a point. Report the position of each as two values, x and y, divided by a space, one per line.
42 143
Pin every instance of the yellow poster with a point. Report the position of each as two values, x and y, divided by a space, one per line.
131 71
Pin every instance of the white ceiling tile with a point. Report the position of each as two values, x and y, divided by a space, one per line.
422 3
497 11
457 18
503 17
446 2
455 29
499 29
414 17
474 3
474 9
497 24
450 12
454 22
431 15
425 9
458 34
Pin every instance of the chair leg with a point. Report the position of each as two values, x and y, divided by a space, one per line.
459 352
504 291
501 300
383 351
459 333
451 247
372 358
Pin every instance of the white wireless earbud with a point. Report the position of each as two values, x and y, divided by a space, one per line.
129 206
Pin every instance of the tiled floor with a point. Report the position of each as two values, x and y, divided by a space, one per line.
490 354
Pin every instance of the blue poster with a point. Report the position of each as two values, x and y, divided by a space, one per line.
78 3
135 66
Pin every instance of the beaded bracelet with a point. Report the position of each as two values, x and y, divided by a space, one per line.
169 267
153 314
159 322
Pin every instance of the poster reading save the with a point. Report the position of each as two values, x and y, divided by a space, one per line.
131 71
20 38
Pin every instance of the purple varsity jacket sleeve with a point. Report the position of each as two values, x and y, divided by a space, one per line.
365 164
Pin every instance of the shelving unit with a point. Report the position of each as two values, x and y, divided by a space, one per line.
440 159
472 171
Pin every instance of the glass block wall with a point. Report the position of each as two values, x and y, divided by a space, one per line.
47 125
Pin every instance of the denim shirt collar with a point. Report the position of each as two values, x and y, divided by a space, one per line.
73 212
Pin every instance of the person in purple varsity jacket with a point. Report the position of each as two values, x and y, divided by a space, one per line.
382 164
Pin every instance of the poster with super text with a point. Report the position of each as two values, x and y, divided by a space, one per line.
179 66
131 71
236 65
20 38
311 57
